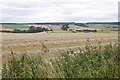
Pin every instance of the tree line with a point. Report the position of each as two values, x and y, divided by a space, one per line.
32 29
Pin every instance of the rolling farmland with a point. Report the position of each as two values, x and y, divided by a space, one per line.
61 55
64 55
31 42
64 39
106 25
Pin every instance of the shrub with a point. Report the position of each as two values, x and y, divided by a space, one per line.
91 62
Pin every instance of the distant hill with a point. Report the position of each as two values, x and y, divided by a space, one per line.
112 23
61 23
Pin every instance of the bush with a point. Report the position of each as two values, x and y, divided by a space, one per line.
91 62
73 31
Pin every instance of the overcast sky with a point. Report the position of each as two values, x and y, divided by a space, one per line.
58 10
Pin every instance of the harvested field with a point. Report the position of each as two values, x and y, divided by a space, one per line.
103 27
45 26
53 27
80 27
58 27
32 42
57 47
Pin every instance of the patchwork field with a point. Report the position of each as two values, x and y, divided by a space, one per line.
53 27
45 26
107 27
59 51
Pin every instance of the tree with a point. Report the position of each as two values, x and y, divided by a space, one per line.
39 29
51 30
16 31
65 27
32 29
45 29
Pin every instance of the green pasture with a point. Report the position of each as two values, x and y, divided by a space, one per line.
106 25
16 26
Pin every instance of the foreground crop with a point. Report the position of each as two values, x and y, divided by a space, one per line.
91 62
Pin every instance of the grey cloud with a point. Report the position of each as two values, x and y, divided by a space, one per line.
54 10
16 12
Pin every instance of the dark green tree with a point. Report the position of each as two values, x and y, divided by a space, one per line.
65 27
32 29
39 29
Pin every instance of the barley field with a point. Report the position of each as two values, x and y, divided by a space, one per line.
33 43
22 42
59 55
91 62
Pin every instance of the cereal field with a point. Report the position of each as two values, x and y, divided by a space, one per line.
33 42
59 55
54 55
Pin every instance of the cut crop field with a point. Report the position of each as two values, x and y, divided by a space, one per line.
45 26
33 42
64 55
15 26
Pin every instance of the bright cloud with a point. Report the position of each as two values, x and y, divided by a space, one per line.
58 10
